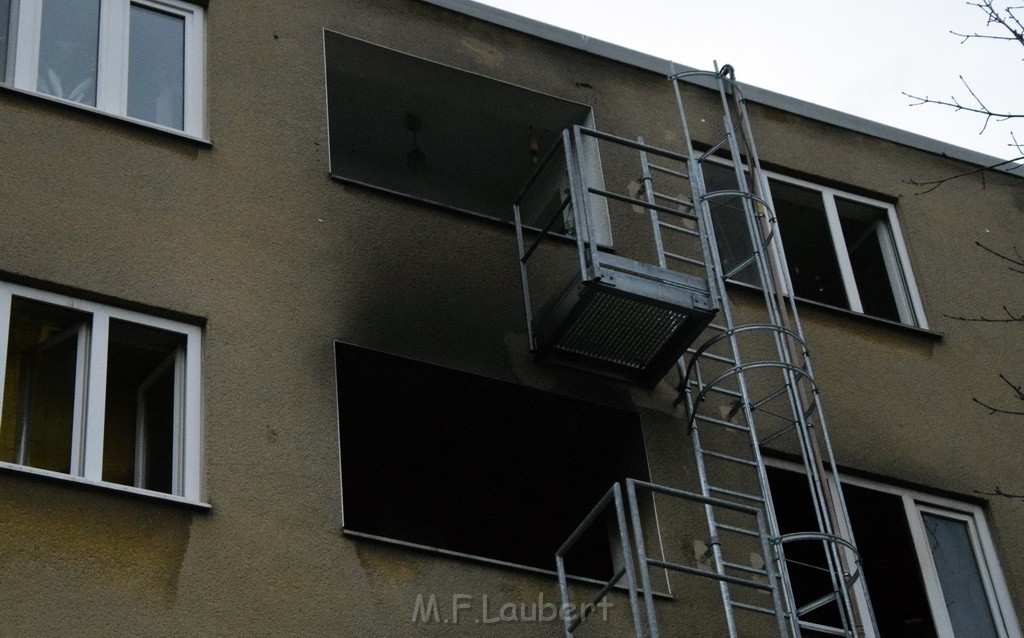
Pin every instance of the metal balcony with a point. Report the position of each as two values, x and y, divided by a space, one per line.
615 282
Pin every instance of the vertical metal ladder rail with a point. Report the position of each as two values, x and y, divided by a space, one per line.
791 364
727 570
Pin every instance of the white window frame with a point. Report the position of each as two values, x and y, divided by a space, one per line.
112 57
916 503
90 395
894 250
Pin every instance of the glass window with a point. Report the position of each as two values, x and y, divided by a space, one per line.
141 59
68 49
156 67
841 249
728 218
949 541
99 393
926 560
42 405
869 246
5 36
142 400
807 240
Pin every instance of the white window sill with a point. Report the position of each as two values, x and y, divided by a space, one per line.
121 118
113 487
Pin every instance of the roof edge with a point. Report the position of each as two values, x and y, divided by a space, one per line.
765 97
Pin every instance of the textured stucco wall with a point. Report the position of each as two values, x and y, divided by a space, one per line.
253 236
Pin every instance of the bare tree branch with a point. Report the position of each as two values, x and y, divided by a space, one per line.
1016 388
1007 20
1016 260
1009 28
992 410
1017 391
935 183
1010 318
956 105
999 492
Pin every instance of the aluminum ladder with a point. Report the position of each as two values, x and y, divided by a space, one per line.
753 366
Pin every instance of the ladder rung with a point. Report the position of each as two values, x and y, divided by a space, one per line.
729 457
717 357
722 490
668 171
733 580
745 568
822 629
714 388
678 229
724 424
748 607
687 260
737 530
674 200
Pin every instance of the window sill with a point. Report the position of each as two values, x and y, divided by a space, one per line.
110 487
104 114
492 561
856 316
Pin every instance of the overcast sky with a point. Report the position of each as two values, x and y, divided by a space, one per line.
854 56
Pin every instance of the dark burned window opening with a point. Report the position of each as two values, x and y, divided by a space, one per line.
424 130
461 462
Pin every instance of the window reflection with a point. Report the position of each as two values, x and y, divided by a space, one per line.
69 42
41 380
949 541
156 67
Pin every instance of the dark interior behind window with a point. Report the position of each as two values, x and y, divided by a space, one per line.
461 462
886 547
810 253
421 129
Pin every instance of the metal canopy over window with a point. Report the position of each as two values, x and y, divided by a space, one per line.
626 308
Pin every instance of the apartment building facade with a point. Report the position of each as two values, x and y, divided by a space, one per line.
266 368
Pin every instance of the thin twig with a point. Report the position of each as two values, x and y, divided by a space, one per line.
933 184
992 410
999 492
1017 260
1016 388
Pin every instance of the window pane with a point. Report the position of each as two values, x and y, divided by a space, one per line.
730 224
156 67
138 442
811 256
862 234
891 570
5 32
950 544
68 49
39 387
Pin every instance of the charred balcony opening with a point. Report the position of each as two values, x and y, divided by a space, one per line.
632 293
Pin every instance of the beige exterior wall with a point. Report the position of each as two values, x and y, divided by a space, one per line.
251 235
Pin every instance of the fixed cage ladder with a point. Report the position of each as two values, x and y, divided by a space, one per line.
748 386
